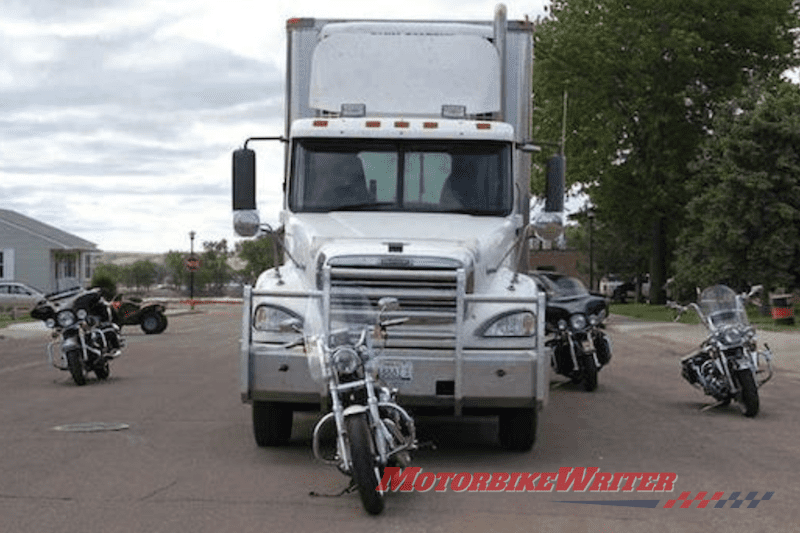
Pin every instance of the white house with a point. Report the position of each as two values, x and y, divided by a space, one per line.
42 256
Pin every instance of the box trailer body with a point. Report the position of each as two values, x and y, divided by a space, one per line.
405 177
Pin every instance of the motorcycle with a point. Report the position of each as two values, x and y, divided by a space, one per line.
574 317
727 364
82 324
370 429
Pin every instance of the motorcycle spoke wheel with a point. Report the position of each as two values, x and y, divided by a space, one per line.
75 365
748 395
365 468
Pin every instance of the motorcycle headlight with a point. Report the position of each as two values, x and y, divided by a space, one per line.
272 318
515 324
732 336
577 322
65 318
50 322
345 360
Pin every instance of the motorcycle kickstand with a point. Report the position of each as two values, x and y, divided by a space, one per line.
350 488
712 406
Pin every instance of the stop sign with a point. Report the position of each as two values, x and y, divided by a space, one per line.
192 264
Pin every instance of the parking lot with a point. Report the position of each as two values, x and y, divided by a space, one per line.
173 450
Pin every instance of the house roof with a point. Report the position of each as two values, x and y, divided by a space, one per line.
59 239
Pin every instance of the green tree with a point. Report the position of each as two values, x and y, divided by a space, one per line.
214 270
258 255
743 224
142 274
642 78
176 268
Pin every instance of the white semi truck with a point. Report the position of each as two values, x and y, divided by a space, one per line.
407 175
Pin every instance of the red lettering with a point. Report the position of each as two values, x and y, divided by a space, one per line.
425 481
461 481
498 482
443 478
479 481
601 482
526 482
666 482
544 484
567 477
392 473
648 482
630 477
512 482
614 485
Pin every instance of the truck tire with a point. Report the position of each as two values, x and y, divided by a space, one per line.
272 423
517 429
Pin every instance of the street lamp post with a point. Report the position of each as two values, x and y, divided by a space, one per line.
590 216
191 271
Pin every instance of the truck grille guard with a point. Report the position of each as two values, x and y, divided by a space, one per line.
436 301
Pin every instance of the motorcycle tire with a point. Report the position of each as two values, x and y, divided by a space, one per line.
589 372
272 423
365 469
75 365
748 395
150 323
103 370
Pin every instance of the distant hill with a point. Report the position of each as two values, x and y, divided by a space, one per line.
128 258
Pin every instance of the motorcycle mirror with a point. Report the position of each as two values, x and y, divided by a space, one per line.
388 304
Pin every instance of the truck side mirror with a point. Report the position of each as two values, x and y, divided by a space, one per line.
554 201
244 179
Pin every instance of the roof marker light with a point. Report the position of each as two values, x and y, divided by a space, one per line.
320 123
373 124
430 125
401 124
483 125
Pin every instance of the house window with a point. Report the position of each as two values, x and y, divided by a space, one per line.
7 264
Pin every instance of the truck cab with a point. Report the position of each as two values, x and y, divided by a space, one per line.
407 175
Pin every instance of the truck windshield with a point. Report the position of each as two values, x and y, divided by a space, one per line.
376 175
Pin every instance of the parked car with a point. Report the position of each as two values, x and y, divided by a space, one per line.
611 286
19 296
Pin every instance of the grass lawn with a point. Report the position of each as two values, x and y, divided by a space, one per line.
661 313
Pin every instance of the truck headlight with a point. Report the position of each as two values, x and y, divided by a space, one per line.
513 324
272 317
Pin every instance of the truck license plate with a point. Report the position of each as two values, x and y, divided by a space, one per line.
396 370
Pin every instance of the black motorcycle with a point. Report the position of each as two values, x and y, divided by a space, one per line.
574 317
82 324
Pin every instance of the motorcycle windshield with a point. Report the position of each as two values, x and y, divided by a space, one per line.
348 316
721 307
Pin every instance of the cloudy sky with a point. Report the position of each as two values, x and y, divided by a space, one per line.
119 116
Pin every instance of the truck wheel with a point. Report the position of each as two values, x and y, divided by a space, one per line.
272 423
517 429
75 365
366 472
748 397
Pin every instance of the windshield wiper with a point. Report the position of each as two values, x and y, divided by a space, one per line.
363 206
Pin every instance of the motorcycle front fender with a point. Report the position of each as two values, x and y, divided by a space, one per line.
355 410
